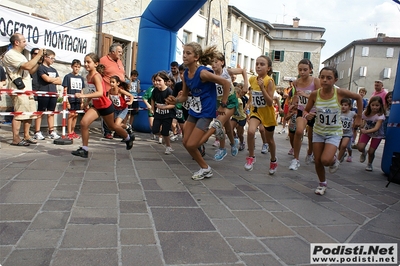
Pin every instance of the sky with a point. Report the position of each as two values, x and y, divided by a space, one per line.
344 20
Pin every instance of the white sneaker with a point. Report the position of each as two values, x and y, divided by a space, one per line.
334 167
216 143
283 131
54 135
294 165
168 150
38 135
160 140
309 159
320 190
202 173
264 148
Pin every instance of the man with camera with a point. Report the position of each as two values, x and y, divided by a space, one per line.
18 70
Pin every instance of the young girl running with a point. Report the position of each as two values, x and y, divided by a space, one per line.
347 118
117 93
328 128
232 106
102 106
291 116
304 85
163 113
239 121
200 81
262 111
372 129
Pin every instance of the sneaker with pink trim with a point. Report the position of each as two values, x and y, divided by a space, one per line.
249 163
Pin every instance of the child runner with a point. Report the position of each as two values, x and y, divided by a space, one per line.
146 98
347 118
200 81
388 99
262 111
102 106
362 91
328 128
232 105
304 85
73 83
48 79
134 89
163 113
239 121
372 129
291 116
118 93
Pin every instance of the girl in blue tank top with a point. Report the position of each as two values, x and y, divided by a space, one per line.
200 81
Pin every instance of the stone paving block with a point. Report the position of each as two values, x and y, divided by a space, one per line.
342 210
340 233
231 228
4 251
314 234
181 219
71 178
258 196
40 239
68 187
50 220
263 224
217 211
169 199
97 201
217 183
228 192
132 194
137 237
9 173
246 245
63 194
99 176
205 199
26 191
273 206
130 220
155 172
167 184
58 205
20 212
314 213
98 257
94 215
234 203
39 175
280 192
359 206
90 236
195 248
132 207
127 179
141 256
291 250
128 186
30 257
99 187
10 232
365 236
388 219
290 218
260 260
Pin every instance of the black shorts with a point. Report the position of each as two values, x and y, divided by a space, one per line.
269 129
310 123
166 126
47 103
134 107
75 106
241 123
106 111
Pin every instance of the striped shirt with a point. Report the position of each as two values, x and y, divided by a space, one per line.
328 121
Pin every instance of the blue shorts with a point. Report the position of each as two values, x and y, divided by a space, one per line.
331 139
120 113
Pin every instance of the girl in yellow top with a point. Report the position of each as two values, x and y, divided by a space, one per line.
262 111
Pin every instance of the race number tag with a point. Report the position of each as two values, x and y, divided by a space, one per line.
186 104
76 84
116 100
328 117
92 89
258 99
195 105
346 123
220 90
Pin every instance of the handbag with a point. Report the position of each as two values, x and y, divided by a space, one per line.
19 83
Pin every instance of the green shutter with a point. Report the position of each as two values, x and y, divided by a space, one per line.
307 55
273 55
282 56
275 76
266 54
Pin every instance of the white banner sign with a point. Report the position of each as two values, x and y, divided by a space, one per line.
67 43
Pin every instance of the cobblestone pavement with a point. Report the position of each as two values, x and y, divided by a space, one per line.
140 207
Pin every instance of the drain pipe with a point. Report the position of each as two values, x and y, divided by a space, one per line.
99 27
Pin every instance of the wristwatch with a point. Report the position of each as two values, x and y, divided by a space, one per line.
223 105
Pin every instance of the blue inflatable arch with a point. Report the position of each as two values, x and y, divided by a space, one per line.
158 29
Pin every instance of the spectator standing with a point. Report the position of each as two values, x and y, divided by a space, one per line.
17 66
48 80
73 83
379 91
113 67
174 73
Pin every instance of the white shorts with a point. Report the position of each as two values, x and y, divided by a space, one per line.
331 139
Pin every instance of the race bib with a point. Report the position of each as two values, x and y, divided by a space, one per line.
346 123
328 117
220 90
186 104
116 100
92 89
258 99
52 74
76 84
162 111
179 114
195 105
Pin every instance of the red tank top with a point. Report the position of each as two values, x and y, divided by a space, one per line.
103 101
118 101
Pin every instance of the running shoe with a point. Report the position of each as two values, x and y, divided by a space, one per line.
309 159
202 173
320 189
294 165
283 131
249 163
369 168
235 147
344 156
242 146
333 168
38 136
168 150
349 159
80 152
54 135
264 148
291 152
273 166
220 154
129 143
363 155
